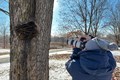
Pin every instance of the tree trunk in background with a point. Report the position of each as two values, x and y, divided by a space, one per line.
4 40
29 57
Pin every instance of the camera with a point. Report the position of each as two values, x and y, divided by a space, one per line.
77 43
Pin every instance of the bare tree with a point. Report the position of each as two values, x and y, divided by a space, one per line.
4 34
114 24
3 27
4 11
85 15
30 27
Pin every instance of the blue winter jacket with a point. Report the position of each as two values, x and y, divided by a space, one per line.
92 65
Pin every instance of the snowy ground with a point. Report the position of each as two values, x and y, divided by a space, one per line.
4 71
116 53
57 69
4 50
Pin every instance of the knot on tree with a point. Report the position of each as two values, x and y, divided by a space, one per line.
26 31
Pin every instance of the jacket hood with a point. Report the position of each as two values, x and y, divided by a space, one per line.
97 43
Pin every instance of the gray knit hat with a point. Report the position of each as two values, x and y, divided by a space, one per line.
97 43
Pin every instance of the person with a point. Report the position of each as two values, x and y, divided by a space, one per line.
95 62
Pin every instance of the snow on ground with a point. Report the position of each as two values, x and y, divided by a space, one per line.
4 56
118 64
4 71
4 51
116 53
57 70
61 52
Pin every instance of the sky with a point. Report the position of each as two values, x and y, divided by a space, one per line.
55 17
4 19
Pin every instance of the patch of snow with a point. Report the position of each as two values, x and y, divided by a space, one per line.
61 52
118 64
57 70
4 71
4 50
116 53
4 56
118 47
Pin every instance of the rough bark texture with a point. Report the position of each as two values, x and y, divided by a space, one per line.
29 57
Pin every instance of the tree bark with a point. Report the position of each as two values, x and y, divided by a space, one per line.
29 56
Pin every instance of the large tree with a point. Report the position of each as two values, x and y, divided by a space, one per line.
114 22
30 27
85 15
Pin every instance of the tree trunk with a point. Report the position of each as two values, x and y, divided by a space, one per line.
4 40
30 27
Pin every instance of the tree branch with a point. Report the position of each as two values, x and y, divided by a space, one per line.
4 11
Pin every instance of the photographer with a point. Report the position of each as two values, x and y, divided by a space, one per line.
94 62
